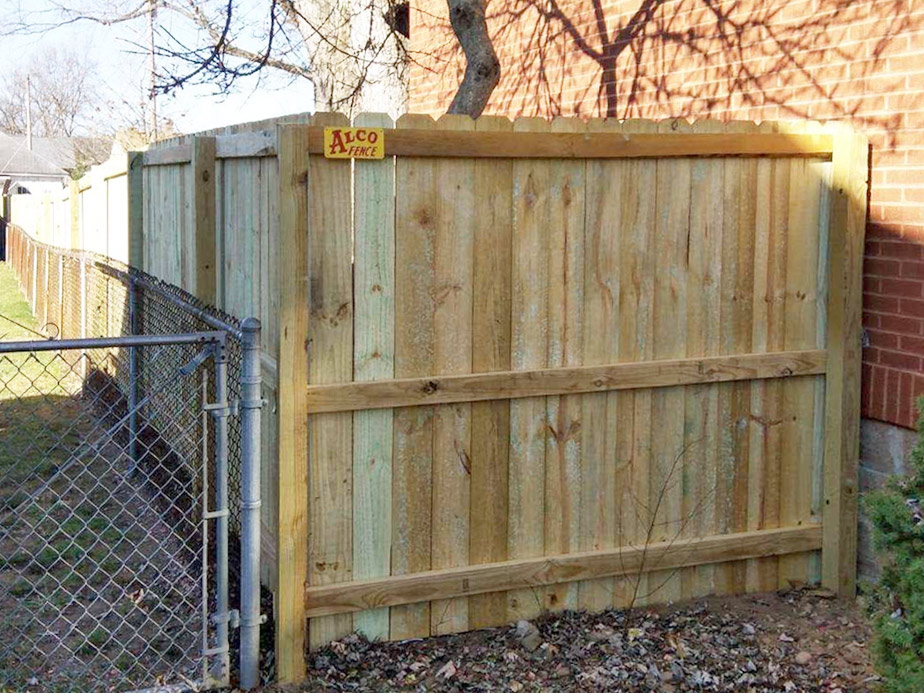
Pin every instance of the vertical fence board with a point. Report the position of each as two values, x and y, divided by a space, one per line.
842 387
667 404
637 221
823 170
203 215
799 333
415 277
529 346
769 294
330 333
601 296
292 472
373 354
702 427
452 332
565 348
491 352
739 219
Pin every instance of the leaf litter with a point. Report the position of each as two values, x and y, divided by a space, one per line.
794 640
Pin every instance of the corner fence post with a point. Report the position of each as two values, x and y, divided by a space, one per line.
842 379
251 404
291 475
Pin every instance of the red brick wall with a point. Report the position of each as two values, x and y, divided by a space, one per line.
861 60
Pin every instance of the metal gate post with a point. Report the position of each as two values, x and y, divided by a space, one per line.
220 410
251 403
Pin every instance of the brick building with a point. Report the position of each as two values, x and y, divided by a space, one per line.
861 60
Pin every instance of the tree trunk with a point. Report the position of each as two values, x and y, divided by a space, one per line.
482 69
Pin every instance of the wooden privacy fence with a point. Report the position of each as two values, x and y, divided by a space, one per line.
528 366
88 214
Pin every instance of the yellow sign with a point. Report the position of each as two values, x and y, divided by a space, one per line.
354 143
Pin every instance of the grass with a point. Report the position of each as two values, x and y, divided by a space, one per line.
81 534
37 411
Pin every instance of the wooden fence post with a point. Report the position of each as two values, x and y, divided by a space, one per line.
292 472
73 198
135 210
842 382
203 164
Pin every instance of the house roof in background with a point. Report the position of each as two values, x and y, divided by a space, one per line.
50 156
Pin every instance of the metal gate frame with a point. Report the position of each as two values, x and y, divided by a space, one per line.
248 408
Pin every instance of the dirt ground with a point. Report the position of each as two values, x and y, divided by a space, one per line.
799 640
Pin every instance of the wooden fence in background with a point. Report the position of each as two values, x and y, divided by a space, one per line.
517 367
89 214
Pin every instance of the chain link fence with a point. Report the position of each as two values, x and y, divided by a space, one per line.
121 456
81 295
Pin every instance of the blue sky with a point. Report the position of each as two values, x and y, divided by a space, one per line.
124 75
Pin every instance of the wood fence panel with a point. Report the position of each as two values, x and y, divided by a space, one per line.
702 425
601 332
800 331
563 508
330 359
637 221
529 349
735 313
373 359
452 353
415 287
493 237
665 499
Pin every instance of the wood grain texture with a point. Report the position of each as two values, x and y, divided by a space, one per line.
737 286
330 334
563 145
452 332
135 221
491 352
800 329
538 144
702 427
529 349
767 335
842 406
563 453
292 465
599 516
637 224
204 223
373 359
477 387
551 570
668 451
415 277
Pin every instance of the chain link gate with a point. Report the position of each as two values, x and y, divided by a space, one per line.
113 515
129 483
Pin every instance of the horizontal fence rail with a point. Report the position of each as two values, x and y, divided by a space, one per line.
427 143
481 387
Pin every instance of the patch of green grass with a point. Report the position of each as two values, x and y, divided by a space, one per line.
21 588
94 642
13 305
37 412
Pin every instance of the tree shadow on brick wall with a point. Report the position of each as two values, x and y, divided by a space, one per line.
690 57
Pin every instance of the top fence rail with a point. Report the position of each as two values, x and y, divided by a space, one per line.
527 145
